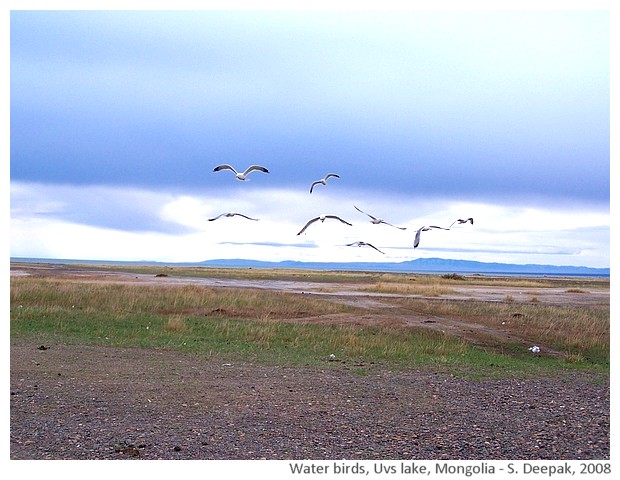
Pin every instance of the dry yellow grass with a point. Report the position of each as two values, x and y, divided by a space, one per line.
167 299
427 290
569 327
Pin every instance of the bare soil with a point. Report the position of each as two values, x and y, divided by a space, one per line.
92 402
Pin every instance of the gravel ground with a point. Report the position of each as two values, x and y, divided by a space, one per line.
82 402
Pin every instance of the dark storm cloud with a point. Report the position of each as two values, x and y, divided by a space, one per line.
470 106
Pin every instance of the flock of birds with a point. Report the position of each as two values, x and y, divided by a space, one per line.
243 176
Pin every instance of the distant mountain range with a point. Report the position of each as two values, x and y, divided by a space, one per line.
420 265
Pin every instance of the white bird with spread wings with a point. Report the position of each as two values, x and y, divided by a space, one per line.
364 244
232 214
323 181
322 218
241 175
377 220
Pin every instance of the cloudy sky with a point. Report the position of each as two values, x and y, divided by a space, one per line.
117 119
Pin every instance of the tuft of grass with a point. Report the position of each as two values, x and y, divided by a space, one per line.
453 276
176 323
574 358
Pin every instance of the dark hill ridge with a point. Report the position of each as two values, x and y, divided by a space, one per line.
430 265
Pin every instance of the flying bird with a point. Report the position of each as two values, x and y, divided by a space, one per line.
322 219
323 181
461 221
363 244
377 221
241 175
231 214
416 240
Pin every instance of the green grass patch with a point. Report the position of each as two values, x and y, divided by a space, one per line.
272 342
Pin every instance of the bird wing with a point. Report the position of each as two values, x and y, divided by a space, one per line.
310 222
224 167
313 184
416 240
255 167
245 216
338 218
331 175
370 245
359 210
402 228
215 218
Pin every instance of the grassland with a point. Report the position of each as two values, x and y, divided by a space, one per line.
368 278
268 326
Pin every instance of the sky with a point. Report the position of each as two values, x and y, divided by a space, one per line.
118 118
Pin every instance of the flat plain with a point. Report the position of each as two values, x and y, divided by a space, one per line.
255 364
